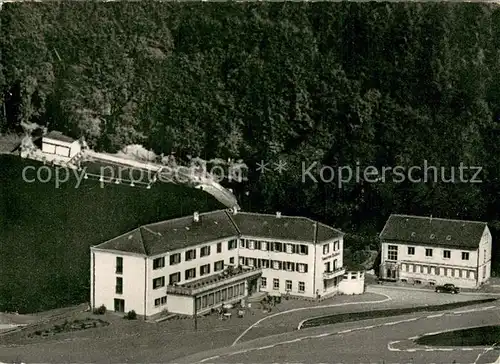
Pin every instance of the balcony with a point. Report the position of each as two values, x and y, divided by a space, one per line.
227 276
334 273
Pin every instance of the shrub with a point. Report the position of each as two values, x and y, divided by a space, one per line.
100 310
131 315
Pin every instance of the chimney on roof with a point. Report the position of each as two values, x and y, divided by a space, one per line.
196 216
278 214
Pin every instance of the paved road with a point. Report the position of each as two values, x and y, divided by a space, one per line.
285 322
136 341
371 341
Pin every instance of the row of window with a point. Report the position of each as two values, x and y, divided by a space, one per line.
301 286
191 254
214 298
190 273
326 247
162 301
274 264
392 253
301 249
447 272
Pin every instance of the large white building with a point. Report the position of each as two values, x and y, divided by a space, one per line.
426 250
192 264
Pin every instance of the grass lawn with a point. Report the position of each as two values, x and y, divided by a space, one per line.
46 232
478 336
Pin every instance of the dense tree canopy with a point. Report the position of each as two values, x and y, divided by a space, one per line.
380 84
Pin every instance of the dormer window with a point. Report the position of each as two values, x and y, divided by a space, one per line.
448 237
413 234
432 236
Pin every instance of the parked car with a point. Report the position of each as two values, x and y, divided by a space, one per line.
447 288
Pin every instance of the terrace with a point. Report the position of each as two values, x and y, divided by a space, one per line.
335 273
228 276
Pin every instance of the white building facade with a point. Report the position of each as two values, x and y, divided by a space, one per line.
193 264
426 250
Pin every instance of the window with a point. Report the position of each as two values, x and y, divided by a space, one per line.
264 245
326 249
241 260
218 265
428 252
334 265
446 254
242 243
198 303
159 263
119 285
251 262
336 245
219 247
278 247
264 263
236 290
190 273
174 278
302 287
210 299
230 293
119 305
276 283
204 269
303 249
217 297
190 254
158 282
263 282
438 270
290 266
289 248
302 268
232 244
224 294
327 267
231 260
175 258
251 244
119 265
465 256
411 250
288 285
392 252
276 264
204 251
204 301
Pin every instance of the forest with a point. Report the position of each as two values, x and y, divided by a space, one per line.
340 84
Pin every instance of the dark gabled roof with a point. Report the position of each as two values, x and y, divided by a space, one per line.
165 236
57 135
184 232
433 231
131 242
291 228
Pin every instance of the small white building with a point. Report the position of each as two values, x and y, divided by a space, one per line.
193 264
427 250
60 145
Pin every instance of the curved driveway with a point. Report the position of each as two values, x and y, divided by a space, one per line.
329 344
382 340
